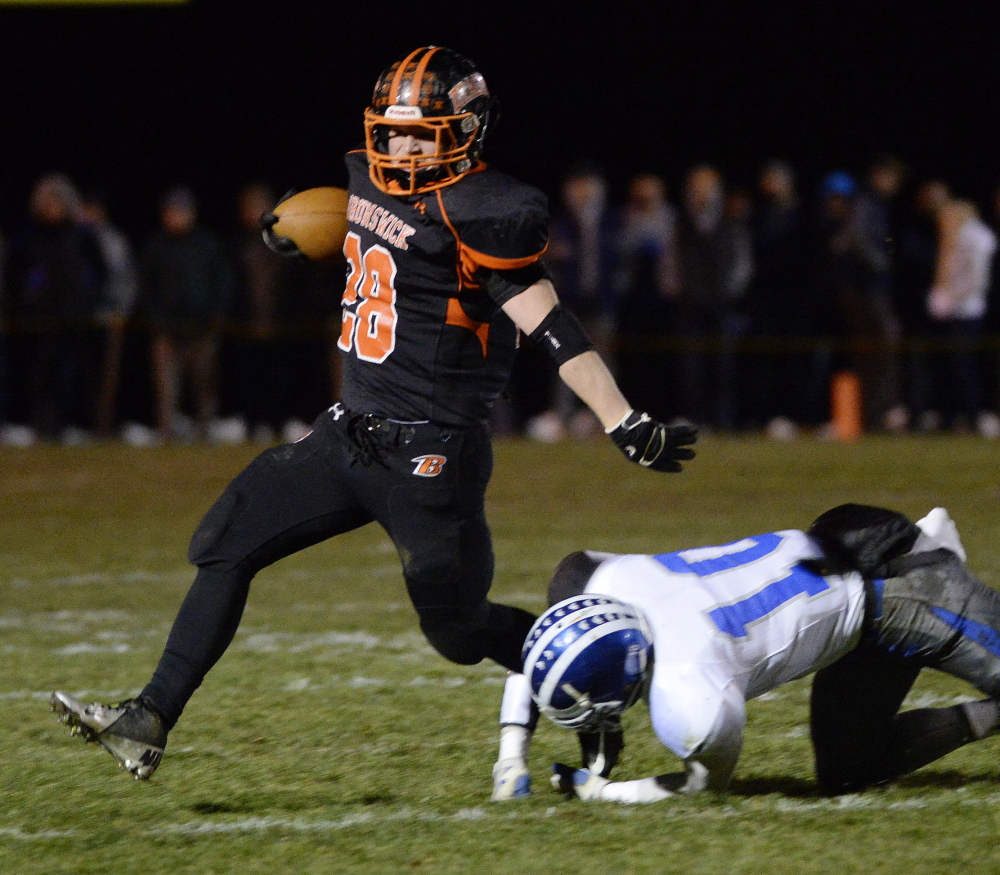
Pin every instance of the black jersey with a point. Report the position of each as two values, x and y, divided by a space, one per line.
423 337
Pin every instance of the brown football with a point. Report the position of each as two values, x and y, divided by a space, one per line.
315 220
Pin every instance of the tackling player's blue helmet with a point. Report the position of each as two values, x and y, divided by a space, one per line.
586 659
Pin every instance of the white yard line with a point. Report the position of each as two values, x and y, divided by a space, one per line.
749 808
508 812
17 834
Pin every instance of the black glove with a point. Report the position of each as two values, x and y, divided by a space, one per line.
275 242
652 444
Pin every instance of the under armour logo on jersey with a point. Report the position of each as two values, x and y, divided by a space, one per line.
429 465
337 410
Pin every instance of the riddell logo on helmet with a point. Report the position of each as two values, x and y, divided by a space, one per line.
429 465
404 113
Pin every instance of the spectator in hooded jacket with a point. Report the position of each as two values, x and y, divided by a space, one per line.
778 303
873 324
915 267
185 285
715 264
582 256
56 276
648 278
116 300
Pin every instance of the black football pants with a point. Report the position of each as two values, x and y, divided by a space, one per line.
425 485
936 616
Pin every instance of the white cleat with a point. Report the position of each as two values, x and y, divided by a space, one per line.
511 780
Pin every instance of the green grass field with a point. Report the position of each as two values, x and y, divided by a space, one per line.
331 739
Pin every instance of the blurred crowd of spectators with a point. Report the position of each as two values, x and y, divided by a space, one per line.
195 335
731 307
735 307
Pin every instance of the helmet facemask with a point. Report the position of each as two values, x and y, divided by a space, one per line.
440 94
585 715
409 174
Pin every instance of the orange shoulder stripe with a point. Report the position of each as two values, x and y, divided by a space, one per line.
495 262
469 259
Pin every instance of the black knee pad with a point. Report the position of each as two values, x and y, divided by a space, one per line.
457 637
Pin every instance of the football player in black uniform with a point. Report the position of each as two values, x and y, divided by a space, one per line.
443 272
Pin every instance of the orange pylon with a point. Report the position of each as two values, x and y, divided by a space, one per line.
845 406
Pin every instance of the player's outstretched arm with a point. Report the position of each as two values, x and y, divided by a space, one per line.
589 786
643 440
709 766
518 716
709 769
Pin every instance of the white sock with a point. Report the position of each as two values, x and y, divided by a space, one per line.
514 742
516 704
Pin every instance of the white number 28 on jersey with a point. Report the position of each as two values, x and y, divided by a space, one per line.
369 304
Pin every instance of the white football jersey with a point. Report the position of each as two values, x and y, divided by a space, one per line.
730 623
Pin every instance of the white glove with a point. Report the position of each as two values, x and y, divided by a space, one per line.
588 786
511 780
577 782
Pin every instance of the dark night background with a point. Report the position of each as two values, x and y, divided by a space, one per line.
216 93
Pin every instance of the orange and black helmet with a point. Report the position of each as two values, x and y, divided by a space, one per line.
440 95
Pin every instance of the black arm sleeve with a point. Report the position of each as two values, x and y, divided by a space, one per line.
561 335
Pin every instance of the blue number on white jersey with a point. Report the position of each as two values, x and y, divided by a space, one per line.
734 618
761 546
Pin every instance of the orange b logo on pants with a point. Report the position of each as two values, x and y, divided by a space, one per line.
429 465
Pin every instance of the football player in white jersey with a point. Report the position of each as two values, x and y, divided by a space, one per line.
865 599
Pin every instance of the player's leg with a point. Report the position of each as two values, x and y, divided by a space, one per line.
436 517
853 705
450 599
938 615
942 616
287 499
